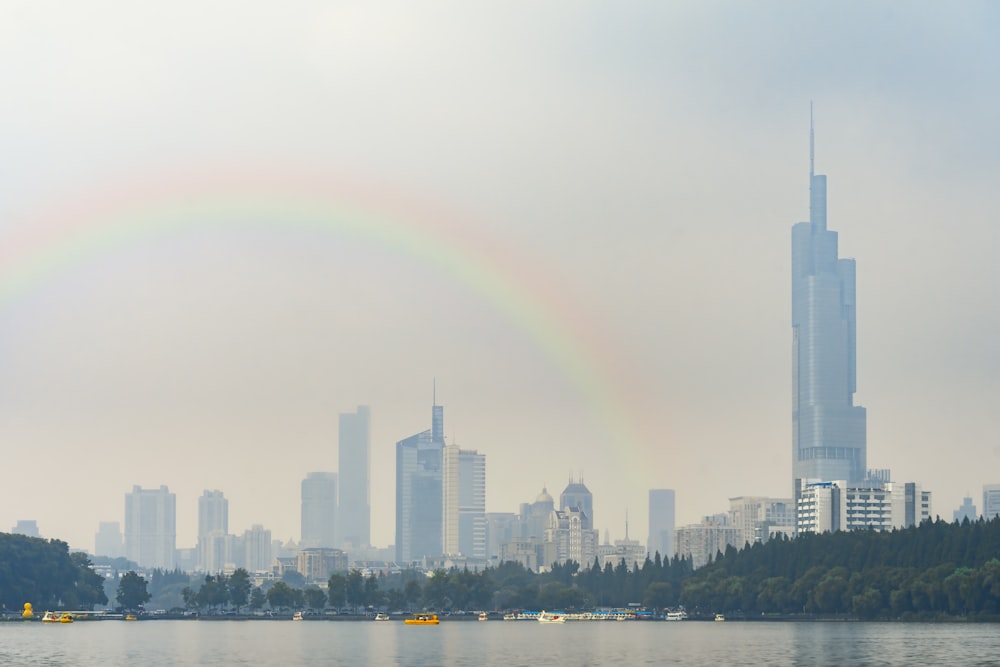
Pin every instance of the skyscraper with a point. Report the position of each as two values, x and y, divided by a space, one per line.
151 527
319 510
661 523
213 523
991 500
108 540
576 496
419 492
464 488
828 430
354 518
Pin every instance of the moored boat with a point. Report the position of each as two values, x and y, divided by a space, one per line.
546 617
720 617
422 619
297 616
483 616
381 616
57 617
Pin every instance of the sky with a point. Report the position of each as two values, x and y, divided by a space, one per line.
224 223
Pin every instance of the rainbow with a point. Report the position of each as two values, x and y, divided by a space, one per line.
514 284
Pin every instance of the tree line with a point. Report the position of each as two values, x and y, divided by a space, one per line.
45 573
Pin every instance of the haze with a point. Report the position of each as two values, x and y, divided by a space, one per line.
607 191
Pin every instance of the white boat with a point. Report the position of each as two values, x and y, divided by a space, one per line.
297 616
546 617
676 615
483 616
720 617
381 616
510 616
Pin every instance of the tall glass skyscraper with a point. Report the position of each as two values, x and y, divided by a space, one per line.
319 510
661 523
354 524
419 492
151 527
828 430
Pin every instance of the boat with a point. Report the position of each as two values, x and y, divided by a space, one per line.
546 617
131 617
483 616
381 616
297 616
676 615
510 616
422 619
57 617
720 617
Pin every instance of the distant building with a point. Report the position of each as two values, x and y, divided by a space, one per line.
534 517
419 493
701 542
257 548
576 496
661 523
965 511
829 440
318 564
760 518
501 527
319 510
354 507
213 526
991 501
108 540
569 538
151 527
831 506
632 552
464 489
27 527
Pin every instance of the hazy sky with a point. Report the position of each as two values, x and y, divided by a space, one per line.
223 223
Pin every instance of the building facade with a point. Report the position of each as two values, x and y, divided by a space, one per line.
319 510
965 511
419 492
831 506
829 440
760 518
991 501
576 496
701 542
661 523
354 457
108 540
213 526
464 488
151 527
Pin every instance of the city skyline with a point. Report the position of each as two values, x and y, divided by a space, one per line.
585 239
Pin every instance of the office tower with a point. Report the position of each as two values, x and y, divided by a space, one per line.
965 511
27 527
257 545
319 510
991 500
701 542
831 506
419 492
759 518
464 504
661 523
828 430
151 527
108 540
213 524
354 507
577 496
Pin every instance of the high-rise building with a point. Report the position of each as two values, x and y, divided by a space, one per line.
319 510
759 518
151 527
108 540
213 525
464 488
257 543
419 492
828 430
27 527
577 496
661 523
354 507
991 501
831 506
965 511
702 542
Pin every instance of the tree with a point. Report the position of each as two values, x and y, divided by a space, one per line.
239 588
257 598
659 595
336 589
132 592
355 589
315 598
281 596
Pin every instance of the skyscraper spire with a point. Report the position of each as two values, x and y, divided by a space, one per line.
812 143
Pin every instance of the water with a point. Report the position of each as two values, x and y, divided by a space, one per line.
510 644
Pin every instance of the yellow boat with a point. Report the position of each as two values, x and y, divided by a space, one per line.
422 619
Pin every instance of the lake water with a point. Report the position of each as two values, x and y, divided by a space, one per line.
510 644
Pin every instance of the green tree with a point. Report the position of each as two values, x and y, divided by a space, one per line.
336 590
281 596
239 588
412 593
257 598
659 595
355 589
315 598
132 591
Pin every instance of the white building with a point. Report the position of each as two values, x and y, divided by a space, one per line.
569 538
991 500
213 526
832 506
464 503
151 527
257 545
702 541
760 518
108 540
319 510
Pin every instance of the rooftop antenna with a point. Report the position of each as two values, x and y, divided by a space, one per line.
626 524
434 387
812 143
